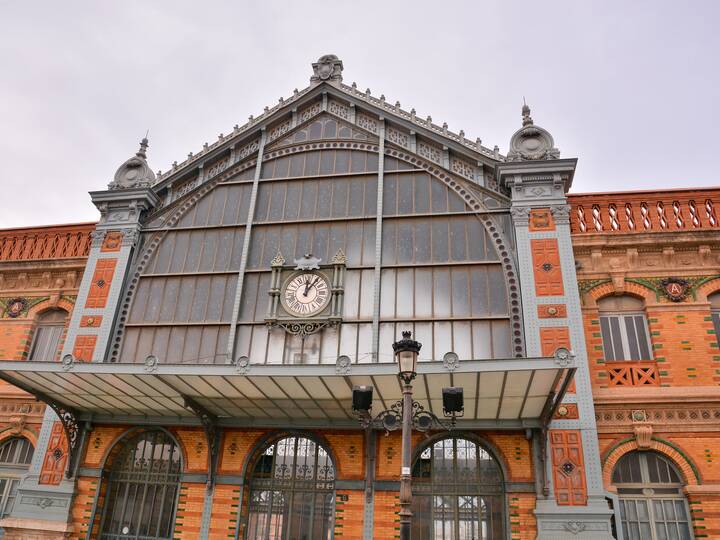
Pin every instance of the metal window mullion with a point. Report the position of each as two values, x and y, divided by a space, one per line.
246 247
378 242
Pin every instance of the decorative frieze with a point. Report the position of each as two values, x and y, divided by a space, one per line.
462 168
367 123
338 109
398 137
433 153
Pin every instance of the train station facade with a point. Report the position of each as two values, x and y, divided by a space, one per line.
199 376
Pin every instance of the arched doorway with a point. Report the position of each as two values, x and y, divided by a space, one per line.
292 492
652 503
143 480
458 492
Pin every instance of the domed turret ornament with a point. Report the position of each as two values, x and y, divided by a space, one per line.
531 142
135 172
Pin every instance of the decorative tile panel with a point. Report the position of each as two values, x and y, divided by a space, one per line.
56 456
100 287
112 242
541 219
84 348
568 467
552 338
546 267
552 311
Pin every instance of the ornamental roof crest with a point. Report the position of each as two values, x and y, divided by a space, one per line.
328 68
135 172
531 142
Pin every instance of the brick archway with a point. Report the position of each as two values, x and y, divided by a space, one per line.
608 289
687 468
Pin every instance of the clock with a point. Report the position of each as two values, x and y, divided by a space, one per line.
306 294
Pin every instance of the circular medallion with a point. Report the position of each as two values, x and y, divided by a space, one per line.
306 294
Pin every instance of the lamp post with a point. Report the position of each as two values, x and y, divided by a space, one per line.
407 415
406 352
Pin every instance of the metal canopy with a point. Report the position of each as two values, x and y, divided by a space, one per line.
511 393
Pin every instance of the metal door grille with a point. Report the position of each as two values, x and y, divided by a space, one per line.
292 492
142 489
457 493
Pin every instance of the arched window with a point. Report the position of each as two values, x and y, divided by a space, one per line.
457 493
292 492
652 504
142 487
46 338
624 329
15 457
715 312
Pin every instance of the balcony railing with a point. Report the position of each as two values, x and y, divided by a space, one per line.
54 242
643 212
632 373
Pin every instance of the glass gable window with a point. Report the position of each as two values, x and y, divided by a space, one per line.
440 275
142 487
457 493
15 457
624 329
292 492
46 338
652 504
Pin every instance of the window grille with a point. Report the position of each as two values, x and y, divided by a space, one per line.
142 488
457 493
652 504
46 338
292 492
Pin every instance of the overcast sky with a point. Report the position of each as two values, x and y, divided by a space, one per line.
631 88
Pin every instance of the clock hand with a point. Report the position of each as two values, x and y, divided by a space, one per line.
309 285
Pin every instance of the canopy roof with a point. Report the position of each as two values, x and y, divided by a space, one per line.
508 394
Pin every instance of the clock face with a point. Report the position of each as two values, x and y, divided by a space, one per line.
306 294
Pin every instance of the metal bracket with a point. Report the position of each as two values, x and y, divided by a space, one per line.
391 419
68 417
212 433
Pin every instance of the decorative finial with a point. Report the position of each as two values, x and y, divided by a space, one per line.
527 119
142 153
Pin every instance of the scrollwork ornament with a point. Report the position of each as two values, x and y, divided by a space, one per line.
97 238
563 357
561 213
342 366
151 363
242 365
67 362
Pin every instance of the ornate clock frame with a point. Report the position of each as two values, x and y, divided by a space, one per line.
279 317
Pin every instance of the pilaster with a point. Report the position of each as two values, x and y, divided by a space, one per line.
571 501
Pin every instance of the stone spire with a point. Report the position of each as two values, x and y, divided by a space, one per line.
328 68
531 142
135 172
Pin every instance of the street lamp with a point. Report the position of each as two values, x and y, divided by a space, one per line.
406 415
406 352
